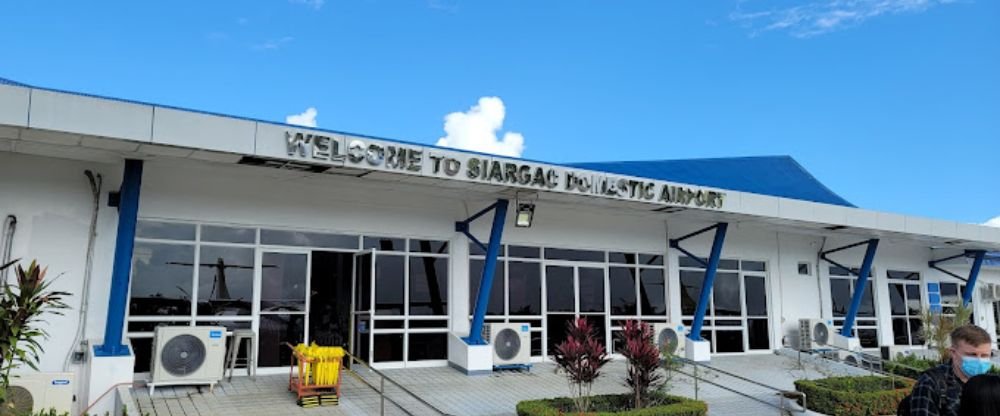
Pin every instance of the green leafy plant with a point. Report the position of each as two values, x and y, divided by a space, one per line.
21 306
581 357
616 405
855 396
936 328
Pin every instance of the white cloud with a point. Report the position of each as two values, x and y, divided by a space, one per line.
315 4
477 129
306 118
273 44
823 16
995 222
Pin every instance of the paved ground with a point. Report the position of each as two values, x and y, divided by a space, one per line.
456 394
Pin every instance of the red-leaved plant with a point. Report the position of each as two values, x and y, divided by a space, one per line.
581 356
643 361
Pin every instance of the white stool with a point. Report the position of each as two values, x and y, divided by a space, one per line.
239 336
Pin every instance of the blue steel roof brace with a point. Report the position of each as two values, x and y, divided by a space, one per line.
862 283
710 268
978 257
492 252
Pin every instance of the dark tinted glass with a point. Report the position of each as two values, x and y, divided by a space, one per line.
729 264
896 274
624 258
651 259
165 230
949 292
622 282
756 296
600 330
726 292
495 305
363 267
428 286
283 282
575 255
228 234
758 335
691 282
804 269
389 276
591 289
915 332
420 323
428 246
897 300
525 291
900 331
475 250
384 243
162 276
753 266
524 252
867 307
559 289
728 341
151 326
303 239
652 292
388 347
536 343
839 271
143 350
225 281
428 347
389 323
556 326
686 261
868 337
913 301
275 331
840 296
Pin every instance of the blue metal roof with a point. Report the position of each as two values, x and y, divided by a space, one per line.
5 81
779 176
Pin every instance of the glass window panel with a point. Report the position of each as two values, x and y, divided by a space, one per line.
436 323
839 271
524 252
364 284
867 307
868 337
652 292
753 266
897 299
591 289
525 291
475 250
389 275
914 304
559 289
162 276
651 259
389 323
536 343
428 246
691 282
283 282
756 295
686 261
574 255
362 326
896 274
726 322
428 347
804 269
726 293
600 329
729 264
840 295
388 347
429 285
556 325
142 348
949 293
384 243
622 282
228 234
758 334
134 326
623 258
225 278
275 331
916 329
304 239
728 341
229 325
900 331
495 305
165 230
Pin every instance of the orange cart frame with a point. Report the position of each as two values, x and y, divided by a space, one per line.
295 381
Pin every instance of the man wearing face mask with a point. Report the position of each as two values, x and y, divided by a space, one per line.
938 390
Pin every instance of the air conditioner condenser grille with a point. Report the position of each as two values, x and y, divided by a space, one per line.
507 343
182 355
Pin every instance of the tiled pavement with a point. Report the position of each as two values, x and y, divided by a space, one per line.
497 394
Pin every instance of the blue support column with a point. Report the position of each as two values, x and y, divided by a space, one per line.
706 288
859 288
486 283
970 285
128 212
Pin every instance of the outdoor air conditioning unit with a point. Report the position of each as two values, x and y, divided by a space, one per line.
814 334
669 335
511 344
34 392
187 355
991 292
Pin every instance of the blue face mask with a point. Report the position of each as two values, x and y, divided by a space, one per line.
974 366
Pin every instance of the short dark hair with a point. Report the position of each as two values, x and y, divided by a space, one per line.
980 396
971 334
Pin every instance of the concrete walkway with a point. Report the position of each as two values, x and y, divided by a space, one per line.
496 394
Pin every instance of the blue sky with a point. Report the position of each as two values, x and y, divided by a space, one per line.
894 104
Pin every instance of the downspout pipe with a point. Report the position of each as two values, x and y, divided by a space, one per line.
9 227
96 181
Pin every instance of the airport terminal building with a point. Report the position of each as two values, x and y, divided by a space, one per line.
303 235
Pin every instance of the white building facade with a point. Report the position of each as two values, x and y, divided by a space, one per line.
306 235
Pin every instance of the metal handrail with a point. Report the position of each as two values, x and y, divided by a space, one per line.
381 388
783 394
873 359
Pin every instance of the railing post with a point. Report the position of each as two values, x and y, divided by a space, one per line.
696 381
381 389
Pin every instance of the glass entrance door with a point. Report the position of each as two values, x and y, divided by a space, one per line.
283 304
574 291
